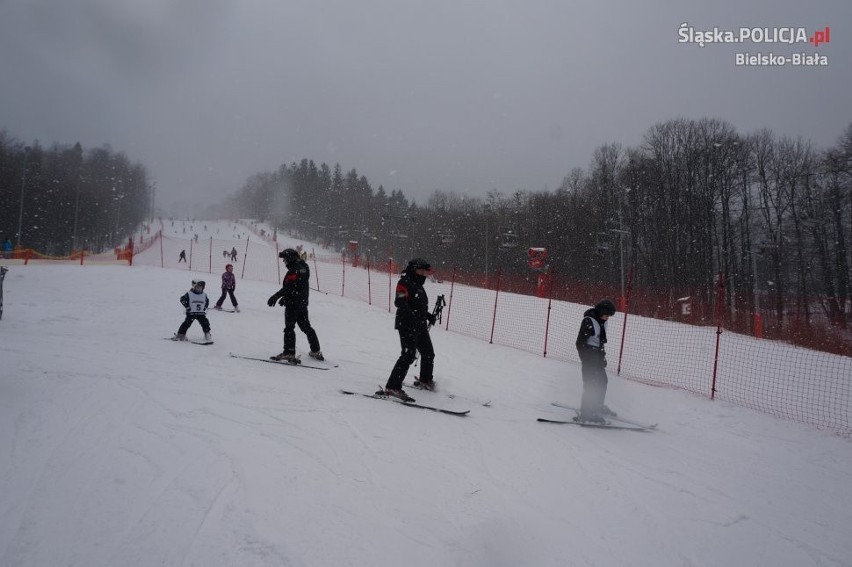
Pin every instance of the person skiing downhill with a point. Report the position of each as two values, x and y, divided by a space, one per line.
229 284
413 320
293 295
590 346
195 302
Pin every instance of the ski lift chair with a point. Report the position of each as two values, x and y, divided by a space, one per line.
509 240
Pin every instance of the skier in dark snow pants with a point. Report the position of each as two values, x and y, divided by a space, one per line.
590 346
229 284
293 295
412 321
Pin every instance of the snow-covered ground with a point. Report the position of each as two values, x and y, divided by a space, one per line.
120 448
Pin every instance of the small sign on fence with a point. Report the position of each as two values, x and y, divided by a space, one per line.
685 305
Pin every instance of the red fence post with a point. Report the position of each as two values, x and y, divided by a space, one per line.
549 306
369 285
625 300
211 255
162 260
494 317
277 263
316 271
343 278
450 303
720 299
189 266
245 255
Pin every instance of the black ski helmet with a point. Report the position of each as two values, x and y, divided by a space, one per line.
605 307
288 255
418 264
202 283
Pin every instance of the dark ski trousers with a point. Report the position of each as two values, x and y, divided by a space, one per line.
222 297
298 316
202 318
594 386
412 342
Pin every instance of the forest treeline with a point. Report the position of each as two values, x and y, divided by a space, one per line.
64 199
696 198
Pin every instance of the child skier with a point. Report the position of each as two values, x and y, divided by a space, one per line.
195 301
229 284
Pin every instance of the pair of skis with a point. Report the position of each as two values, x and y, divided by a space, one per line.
193 341
612 422
416 386
411 403
299 364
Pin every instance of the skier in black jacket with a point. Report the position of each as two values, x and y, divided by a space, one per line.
293 295
590 346
413 320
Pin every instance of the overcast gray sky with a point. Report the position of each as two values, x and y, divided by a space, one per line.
444 95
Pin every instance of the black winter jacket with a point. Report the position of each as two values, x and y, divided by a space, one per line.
590 354
296 285
412 304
